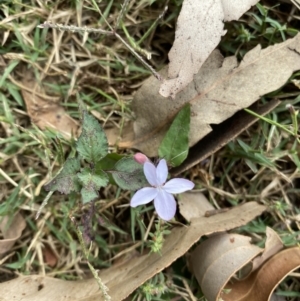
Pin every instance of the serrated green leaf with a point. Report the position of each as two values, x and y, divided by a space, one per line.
129 174
88 194
92 143
175 145
66 180
93 178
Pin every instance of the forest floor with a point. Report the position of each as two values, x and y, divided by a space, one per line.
102 73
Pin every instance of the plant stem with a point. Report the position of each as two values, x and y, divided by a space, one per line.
270 121
156 74
73 28
102 286
122 13
105 32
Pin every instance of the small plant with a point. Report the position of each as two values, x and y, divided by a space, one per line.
158 237
154 288
85 173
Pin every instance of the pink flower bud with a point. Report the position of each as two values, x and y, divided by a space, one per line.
140 158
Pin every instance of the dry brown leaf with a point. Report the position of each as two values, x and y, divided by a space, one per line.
221 88
273 245
11 229
260 285
193 205
219 258
123 280
199 30
114 134
39 288
47 114
49 256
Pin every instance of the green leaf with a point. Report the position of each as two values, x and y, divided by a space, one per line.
296 160
251 165
109 161
93 178
175 145
92 143
129 174
88 194
66 180
246 148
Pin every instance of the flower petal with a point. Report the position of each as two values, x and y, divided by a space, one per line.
143 196
161 172
165 205
150 173
178 185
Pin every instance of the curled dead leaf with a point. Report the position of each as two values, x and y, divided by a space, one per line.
273 245
222 255
219 258
261 284
123 279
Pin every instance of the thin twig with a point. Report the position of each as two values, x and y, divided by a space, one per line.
73 28
296 3
156 74
283 127
135 46
102 286
105 32
100 13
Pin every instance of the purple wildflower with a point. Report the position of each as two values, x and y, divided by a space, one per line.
161 191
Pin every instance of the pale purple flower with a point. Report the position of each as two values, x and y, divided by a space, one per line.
161 191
